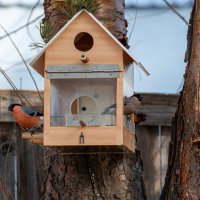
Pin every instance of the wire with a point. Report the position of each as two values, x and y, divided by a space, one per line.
27 67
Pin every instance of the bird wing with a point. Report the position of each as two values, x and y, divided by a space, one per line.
126 100
110 110
30 112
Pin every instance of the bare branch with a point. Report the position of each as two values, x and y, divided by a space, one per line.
21 27
17 92
5 196
135 18
27 67
20 5
29 17
176 12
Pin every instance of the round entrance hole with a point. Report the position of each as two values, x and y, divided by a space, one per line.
83 41
83 105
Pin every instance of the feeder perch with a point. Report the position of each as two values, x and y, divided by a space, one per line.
84 58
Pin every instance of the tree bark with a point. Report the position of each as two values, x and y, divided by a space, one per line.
183 174
100 176
111 14
93 176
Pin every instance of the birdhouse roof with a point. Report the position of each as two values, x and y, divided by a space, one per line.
38 61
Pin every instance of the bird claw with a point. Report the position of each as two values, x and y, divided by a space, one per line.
32 131
128 118
23 130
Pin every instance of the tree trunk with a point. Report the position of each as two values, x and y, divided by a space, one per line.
96 175
111 14
101 176
183 174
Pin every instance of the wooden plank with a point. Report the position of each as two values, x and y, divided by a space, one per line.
33 139
119 101
37 65
148 145
159 108
36 141
93 136
47 104
27 135
129 140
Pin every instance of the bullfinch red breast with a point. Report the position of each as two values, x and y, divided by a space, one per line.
26 118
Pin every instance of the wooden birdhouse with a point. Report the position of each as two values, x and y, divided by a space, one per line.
83 66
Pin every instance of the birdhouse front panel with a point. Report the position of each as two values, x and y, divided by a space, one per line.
86 99
84 37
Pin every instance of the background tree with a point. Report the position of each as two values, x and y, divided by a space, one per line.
183 174
90 176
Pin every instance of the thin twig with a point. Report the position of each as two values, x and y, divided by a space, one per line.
5 196
21 27
16 64
18 93
29 17
176 12
20 5
134 21
12 85
156 13
27 67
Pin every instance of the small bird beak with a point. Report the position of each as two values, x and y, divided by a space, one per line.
9 108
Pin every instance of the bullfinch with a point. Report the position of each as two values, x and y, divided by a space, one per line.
26 118
131 105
